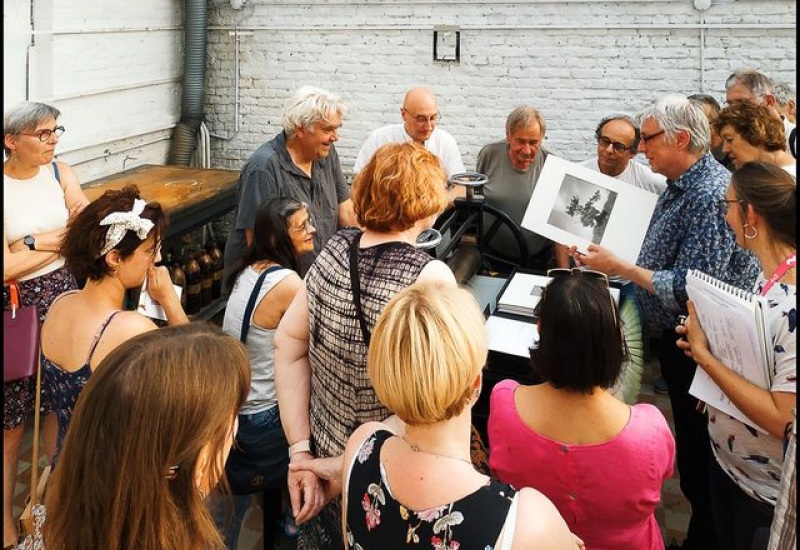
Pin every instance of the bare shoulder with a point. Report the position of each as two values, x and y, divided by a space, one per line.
539 526
127 324
288 287
437 271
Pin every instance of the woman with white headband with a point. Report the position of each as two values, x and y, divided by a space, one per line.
113 244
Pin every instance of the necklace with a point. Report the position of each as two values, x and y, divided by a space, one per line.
416 449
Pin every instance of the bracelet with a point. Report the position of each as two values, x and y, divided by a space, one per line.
302 446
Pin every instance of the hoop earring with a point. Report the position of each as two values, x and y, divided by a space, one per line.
755 231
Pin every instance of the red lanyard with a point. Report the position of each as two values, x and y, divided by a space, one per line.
785 266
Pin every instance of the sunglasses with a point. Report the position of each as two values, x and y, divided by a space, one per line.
568 271
618 147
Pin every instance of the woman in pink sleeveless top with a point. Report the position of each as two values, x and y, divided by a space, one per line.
599 460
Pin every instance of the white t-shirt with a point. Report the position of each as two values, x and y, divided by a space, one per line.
636 174
787 128
441 144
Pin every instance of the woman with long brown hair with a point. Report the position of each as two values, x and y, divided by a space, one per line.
148 441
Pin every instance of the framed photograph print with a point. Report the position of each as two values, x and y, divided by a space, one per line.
574 205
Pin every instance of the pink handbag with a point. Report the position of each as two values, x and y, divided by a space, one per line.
20 338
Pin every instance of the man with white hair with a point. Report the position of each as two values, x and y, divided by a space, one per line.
750 85
687 231
420 113
300 162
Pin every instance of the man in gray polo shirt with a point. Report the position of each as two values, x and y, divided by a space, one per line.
301 162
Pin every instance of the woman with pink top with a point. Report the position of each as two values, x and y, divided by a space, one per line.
600 461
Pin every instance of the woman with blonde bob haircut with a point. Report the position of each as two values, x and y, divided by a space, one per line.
425 363
148 440
324 391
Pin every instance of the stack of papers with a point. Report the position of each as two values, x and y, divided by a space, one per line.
522 294
524 291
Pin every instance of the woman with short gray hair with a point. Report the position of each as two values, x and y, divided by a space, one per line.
40 196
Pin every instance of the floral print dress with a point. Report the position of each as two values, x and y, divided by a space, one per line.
754 459
375 520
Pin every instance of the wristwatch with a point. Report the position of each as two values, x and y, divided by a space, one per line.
29 241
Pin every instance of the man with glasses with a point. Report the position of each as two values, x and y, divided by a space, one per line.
420 113
301 163
687 231
750 85
617 144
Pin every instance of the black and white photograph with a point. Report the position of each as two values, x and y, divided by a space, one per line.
582 208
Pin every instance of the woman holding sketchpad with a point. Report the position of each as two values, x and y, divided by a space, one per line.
761 209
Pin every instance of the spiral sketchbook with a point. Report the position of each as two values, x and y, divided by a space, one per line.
735 324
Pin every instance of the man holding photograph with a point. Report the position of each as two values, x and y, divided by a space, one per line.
687 231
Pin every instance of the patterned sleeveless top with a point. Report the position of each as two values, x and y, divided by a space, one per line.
376 520
342 397
66 386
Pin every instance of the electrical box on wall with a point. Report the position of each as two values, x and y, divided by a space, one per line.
447 43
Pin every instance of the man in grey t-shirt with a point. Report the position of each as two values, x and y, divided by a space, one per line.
513 167
301 162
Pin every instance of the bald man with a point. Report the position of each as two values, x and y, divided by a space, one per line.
420 113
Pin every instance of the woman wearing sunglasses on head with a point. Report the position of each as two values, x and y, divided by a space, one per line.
40 195
113 244
600 461
761 208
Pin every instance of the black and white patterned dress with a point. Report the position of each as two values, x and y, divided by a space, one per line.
342 397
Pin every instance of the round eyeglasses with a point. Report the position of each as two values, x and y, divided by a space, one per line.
45 134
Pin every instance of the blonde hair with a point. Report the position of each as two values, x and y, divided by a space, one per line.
401 184
427 347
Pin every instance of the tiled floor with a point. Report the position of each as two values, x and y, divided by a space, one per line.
672 514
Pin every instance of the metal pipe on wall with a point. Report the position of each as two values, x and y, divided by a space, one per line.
194 74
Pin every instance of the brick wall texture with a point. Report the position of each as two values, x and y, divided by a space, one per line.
575 60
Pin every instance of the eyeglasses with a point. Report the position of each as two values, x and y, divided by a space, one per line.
646 139
568 271
422 119
725 204
307 226
44 135
604 142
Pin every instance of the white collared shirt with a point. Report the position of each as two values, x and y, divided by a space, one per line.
441 144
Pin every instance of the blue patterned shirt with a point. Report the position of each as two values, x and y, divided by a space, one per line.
688 231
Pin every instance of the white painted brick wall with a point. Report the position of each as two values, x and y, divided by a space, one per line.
576 61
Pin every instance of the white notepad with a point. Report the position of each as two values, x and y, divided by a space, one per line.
735 325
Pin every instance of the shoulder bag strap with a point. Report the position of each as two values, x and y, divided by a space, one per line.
355 283
36 414
251 303
56 174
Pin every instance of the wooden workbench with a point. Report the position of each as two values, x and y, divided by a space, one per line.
191 196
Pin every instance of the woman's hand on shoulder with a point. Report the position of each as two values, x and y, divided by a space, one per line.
539 525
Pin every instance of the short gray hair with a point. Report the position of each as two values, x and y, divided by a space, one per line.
308 106
26 115
674 113
524 116
783 93
755 82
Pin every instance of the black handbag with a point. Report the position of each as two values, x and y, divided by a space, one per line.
259 459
